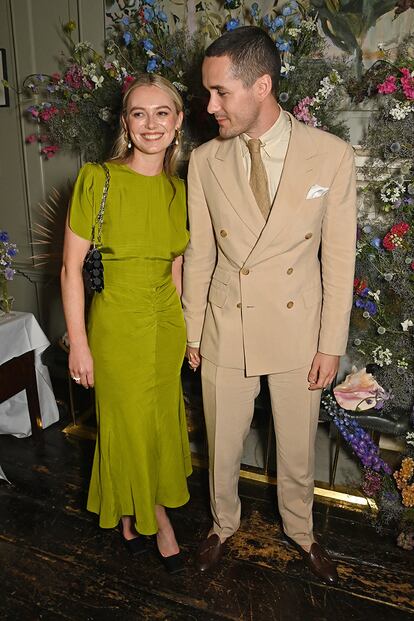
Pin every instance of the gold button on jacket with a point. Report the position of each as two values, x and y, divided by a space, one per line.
223 233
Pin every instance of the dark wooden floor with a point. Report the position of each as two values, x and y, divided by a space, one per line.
55 563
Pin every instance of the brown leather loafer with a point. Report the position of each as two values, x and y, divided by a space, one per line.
209 552
320 563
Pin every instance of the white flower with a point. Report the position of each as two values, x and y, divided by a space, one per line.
409 438
401 110
97 81
375 295
381 356
286 68
392 191
406 324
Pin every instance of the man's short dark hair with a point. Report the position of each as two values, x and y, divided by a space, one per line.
252 54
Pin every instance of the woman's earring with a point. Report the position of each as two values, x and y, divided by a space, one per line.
177 136
127 139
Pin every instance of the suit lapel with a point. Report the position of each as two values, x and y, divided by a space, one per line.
297 174
227 167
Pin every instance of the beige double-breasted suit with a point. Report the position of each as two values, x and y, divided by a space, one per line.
263 298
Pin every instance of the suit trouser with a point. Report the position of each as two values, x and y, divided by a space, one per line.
228 397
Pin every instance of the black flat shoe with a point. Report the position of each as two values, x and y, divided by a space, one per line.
135 546
174 564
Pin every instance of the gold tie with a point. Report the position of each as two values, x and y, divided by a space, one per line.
258 178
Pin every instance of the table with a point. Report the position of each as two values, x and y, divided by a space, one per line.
22 342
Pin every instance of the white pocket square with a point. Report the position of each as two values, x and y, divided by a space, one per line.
316 191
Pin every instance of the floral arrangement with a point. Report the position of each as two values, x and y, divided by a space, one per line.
78 108
8 251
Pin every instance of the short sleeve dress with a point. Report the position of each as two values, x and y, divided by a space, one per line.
137 336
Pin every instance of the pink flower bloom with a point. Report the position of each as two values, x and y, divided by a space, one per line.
407 83
74 77
31 138
47 113
127 83
49 151
389 86
302 112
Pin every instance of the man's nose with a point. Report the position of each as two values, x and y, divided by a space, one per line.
212 105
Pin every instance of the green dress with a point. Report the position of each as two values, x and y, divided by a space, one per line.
137 336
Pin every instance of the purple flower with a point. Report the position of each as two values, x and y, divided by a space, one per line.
4 236
9 273
371 307
12 251
286 10
359 303
232 24
364 292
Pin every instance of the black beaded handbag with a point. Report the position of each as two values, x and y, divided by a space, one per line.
92 266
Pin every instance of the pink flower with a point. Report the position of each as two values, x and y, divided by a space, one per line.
31 138
127 83
47 113
407 83
74 77
389 86
302 112
49 151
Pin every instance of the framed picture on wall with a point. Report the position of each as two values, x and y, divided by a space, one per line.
4 92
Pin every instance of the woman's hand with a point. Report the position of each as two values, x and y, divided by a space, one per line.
81 365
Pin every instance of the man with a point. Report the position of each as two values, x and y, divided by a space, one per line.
264 198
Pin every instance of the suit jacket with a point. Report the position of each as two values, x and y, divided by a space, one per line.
266 298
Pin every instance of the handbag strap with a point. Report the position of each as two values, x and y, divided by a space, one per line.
100 216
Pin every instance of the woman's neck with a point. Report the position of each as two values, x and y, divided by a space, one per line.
146 164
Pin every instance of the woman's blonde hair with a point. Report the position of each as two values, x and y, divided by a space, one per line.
120 149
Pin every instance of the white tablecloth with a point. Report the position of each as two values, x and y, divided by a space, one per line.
20 333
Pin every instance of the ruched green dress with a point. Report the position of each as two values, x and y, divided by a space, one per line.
137 336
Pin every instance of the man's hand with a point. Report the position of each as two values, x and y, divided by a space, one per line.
193 355
323 370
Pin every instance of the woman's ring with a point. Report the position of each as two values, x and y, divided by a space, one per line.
76 379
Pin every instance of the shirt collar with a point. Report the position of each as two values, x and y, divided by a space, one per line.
271 139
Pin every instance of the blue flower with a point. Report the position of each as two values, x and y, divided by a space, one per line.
267 21
232 24
286 10
297 19
125 20
167 63
359 303
148 44
4 236
148 14
150 2
376 242
371 307
282 45
152 65
254 9
278 22
11 252
364 292
293 5
162 16
127 37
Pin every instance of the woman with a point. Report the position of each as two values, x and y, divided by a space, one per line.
135 344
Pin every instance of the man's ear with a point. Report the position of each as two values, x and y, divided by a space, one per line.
263 86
